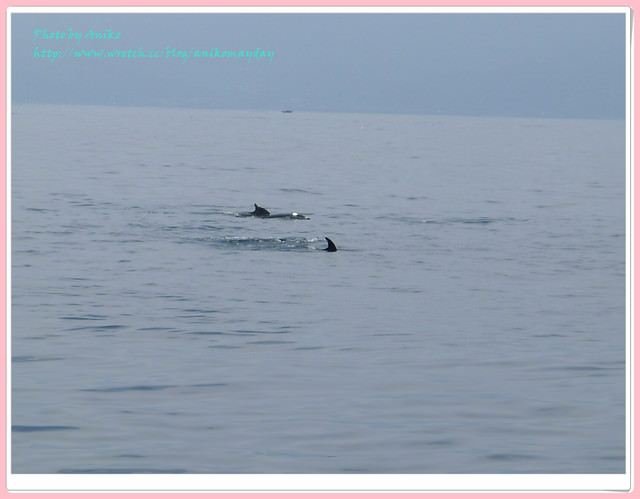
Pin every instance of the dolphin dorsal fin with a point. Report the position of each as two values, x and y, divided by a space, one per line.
331 248
260 211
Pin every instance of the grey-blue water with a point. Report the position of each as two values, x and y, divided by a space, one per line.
472 320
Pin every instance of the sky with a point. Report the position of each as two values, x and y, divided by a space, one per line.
529 65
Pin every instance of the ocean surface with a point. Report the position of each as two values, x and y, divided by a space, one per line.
471 321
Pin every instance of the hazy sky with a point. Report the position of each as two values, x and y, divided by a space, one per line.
552 65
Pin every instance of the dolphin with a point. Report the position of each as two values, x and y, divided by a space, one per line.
331 248
261 212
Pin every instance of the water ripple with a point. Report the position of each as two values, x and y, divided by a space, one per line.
135 471
149 388
29 429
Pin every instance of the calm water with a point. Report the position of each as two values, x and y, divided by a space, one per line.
472 321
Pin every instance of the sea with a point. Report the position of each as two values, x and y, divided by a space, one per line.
472 320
